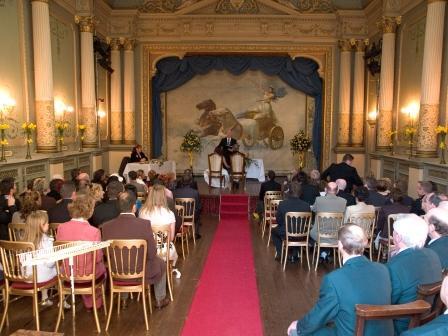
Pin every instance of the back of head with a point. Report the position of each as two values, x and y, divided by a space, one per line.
412 230
426 186
156 199
353 239
382 185
302 177
314 175
187 179
98 175
39 185
439 218
67 189
361 193
132 188
402 185
271 175
295 189
341 183
126 201
56 184
347 158
113 189
132 175
74 173
370 182
83 177
332 188
81 207
34 222
396 195
6 185
96 191
31 201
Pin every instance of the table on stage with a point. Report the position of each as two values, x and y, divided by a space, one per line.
166 167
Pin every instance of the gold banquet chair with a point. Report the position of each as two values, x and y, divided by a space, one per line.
273 206
387 243
188 217
267 212
126 260
215 162
16 231
238 168
367 222
328 224
53 230
162 236
183 233
297 227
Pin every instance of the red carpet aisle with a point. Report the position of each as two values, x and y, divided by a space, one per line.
226 300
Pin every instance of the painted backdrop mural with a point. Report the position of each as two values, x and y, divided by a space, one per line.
262 111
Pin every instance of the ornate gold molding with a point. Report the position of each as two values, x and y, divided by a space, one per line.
237 7
115 43
86 23
360 45
433 1
128 44
426 136
389 24
44 1
345 45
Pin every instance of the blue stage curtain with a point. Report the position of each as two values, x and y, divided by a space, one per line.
300 73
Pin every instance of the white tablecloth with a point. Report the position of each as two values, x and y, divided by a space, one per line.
166 167
256 170
215 181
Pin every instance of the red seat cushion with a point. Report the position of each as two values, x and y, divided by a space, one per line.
126 282
29 285
85 284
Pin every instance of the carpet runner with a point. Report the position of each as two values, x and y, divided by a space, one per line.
226 301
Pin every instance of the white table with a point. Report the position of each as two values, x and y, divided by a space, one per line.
166 167
215 180
256 170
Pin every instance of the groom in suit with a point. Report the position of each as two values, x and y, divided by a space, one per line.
359 281
227 145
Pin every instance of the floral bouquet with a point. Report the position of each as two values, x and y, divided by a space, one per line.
3 141
442 131
191 143
61 127
82 129
409 133
28 129
300 143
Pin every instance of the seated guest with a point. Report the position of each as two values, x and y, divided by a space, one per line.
292 203
438 232
358 281
137 154
141 178
430 201
375 198
60 214
344 170
227 146
382 186
127 226
269 185
396 207
438 326
8 205
361 207
108 209
403 186
342 184
47 203
97 193
423 188
186 191
141 188
189 177
411 265
30 202
309 192
316 180
78 228
55 189
100 177
328 203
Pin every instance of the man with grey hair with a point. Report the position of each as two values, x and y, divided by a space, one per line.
412 265
342 184
430 201
358 281
437 219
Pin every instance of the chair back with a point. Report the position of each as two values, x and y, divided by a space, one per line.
237 162
162 238
84 265
141 196
180 213
278 194
431 294
12 267
189 206
366 221
215 163
413 309
126 260
53 230
328 224
273 206
297 224
390 229
16 231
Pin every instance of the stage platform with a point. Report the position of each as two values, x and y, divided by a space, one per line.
210 196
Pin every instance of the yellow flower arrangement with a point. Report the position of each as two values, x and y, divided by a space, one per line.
410 131
4 126
28 126
82 127
442 131
4 142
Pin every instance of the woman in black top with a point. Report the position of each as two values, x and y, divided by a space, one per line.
137 154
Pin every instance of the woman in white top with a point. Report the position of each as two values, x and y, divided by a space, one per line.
156 210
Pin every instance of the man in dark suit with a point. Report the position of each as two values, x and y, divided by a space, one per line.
423 188
309 191
226 145
438 326
269 185
395 207
343 170
127 226
186 191
342 184
359 281
412 265
375 198
437 219
292 203
107 210
60 214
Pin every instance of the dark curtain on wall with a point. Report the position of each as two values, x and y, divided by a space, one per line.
300 73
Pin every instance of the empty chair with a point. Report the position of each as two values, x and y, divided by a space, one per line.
215 162
182 234
188 217
238 168
277 195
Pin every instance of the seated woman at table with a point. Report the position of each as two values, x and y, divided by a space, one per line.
137 154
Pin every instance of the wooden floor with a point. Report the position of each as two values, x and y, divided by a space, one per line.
284 296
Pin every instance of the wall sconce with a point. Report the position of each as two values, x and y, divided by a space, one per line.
61 109
411 112
7 105
371 118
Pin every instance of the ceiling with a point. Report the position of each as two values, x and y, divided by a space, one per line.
132 4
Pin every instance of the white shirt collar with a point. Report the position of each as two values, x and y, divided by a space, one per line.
432 241
127 213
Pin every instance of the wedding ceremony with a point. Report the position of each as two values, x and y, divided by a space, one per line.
223 167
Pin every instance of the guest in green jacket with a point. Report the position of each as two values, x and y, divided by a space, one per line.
437 219
359 281
438 326
412 265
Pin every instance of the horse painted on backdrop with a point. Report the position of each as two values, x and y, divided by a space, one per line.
208 123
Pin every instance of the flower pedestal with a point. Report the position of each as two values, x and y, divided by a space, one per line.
3 143
82 129
301 160
3 157
190 157
442 131
28 151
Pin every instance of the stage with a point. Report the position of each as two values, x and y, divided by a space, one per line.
210 196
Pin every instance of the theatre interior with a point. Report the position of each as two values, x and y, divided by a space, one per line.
223 167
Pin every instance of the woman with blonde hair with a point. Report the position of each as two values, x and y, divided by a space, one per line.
96 192
36 232
157 211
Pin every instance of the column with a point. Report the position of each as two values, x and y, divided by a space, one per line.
129 92
43 78
344 93
116 117
431 79
357 124
386 98
88 96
